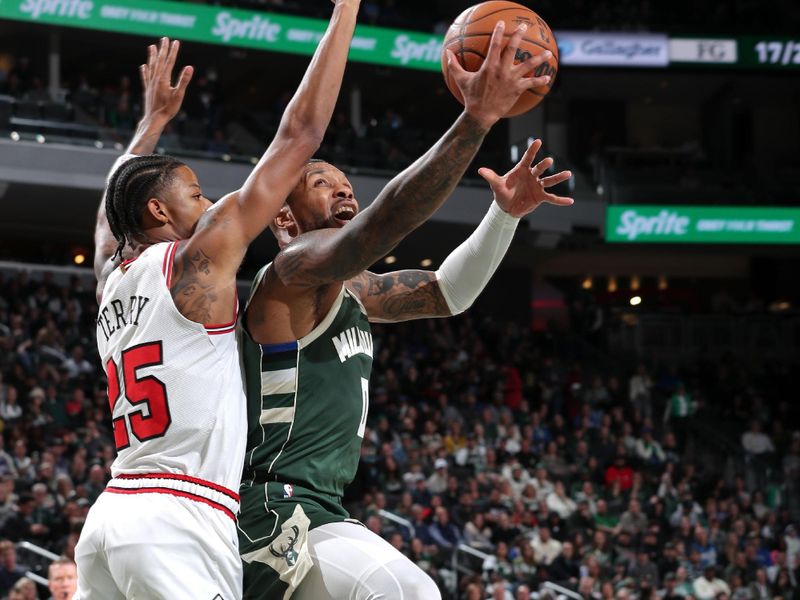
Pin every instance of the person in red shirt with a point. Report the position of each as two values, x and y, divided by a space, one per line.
620 471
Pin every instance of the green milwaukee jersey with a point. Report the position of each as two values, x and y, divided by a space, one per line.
308 401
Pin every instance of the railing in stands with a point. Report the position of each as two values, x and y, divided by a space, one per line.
459 567
561 590
399 520
39 551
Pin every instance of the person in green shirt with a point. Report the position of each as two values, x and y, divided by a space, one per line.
679 411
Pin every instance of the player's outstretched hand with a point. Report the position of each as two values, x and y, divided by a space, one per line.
491 91
523 188
161 98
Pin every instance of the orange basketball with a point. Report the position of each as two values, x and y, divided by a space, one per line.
468 37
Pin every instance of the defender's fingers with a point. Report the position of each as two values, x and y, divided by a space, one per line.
172 56
143 74
496 43
163 50
151 57
185 78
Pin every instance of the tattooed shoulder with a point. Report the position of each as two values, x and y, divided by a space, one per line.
192 288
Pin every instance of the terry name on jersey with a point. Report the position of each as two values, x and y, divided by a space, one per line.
118 314
351 342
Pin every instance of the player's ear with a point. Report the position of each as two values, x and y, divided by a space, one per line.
285 227
155 213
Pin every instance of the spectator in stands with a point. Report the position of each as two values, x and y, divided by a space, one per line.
639 392
545 548
708 586
620 472
76 365
24 589
678 414
477 533
757 446
62 579
559 502
10 570
565 569
437 482
10 410
648 450
645 570
7 467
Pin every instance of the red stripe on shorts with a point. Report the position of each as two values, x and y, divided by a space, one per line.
171 492
188 478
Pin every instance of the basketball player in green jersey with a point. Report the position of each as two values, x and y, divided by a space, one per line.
308 347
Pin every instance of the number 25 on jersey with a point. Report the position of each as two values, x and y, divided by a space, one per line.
147 395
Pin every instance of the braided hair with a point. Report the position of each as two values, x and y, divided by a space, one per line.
129 189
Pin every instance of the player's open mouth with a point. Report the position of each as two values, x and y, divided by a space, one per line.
344 212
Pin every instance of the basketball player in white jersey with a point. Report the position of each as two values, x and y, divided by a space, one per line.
165 526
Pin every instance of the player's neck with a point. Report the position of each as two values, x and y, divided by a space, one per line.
152 236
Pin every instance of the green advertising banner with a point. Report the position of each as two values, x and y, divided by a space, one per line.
702 224
226 26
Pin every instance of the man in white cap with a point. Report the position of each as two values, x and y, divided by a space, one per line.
437 482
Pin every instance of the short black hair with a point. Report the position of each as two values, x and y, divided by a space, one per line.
129 189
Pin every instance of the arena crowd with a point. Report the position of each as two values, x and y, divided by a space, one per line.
611 478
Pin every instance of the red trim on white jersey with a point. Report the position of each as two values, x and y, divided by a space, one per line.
169 257
226 327
169 491
166 259
186 486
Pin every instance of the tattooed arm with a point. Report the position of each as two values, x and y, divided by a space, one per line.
400 296
406 295
324 256
203 284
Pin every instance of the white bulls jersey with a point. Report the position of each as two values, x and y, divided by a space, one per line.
175 389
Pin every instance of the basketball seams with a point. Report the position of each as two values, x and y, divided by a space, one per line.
461 37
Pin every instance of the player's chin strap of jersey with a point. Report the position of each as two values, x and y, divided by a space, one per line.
468 269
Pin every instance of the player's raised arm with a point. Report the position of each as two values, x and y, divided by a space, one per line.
415 294
162 101
329 255
247 212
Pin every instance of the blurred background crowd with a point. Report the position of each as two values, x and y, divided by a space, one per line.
554 462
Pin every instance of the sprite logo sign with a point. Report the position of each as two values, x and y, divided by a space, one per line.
187 21
77 9
702 224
